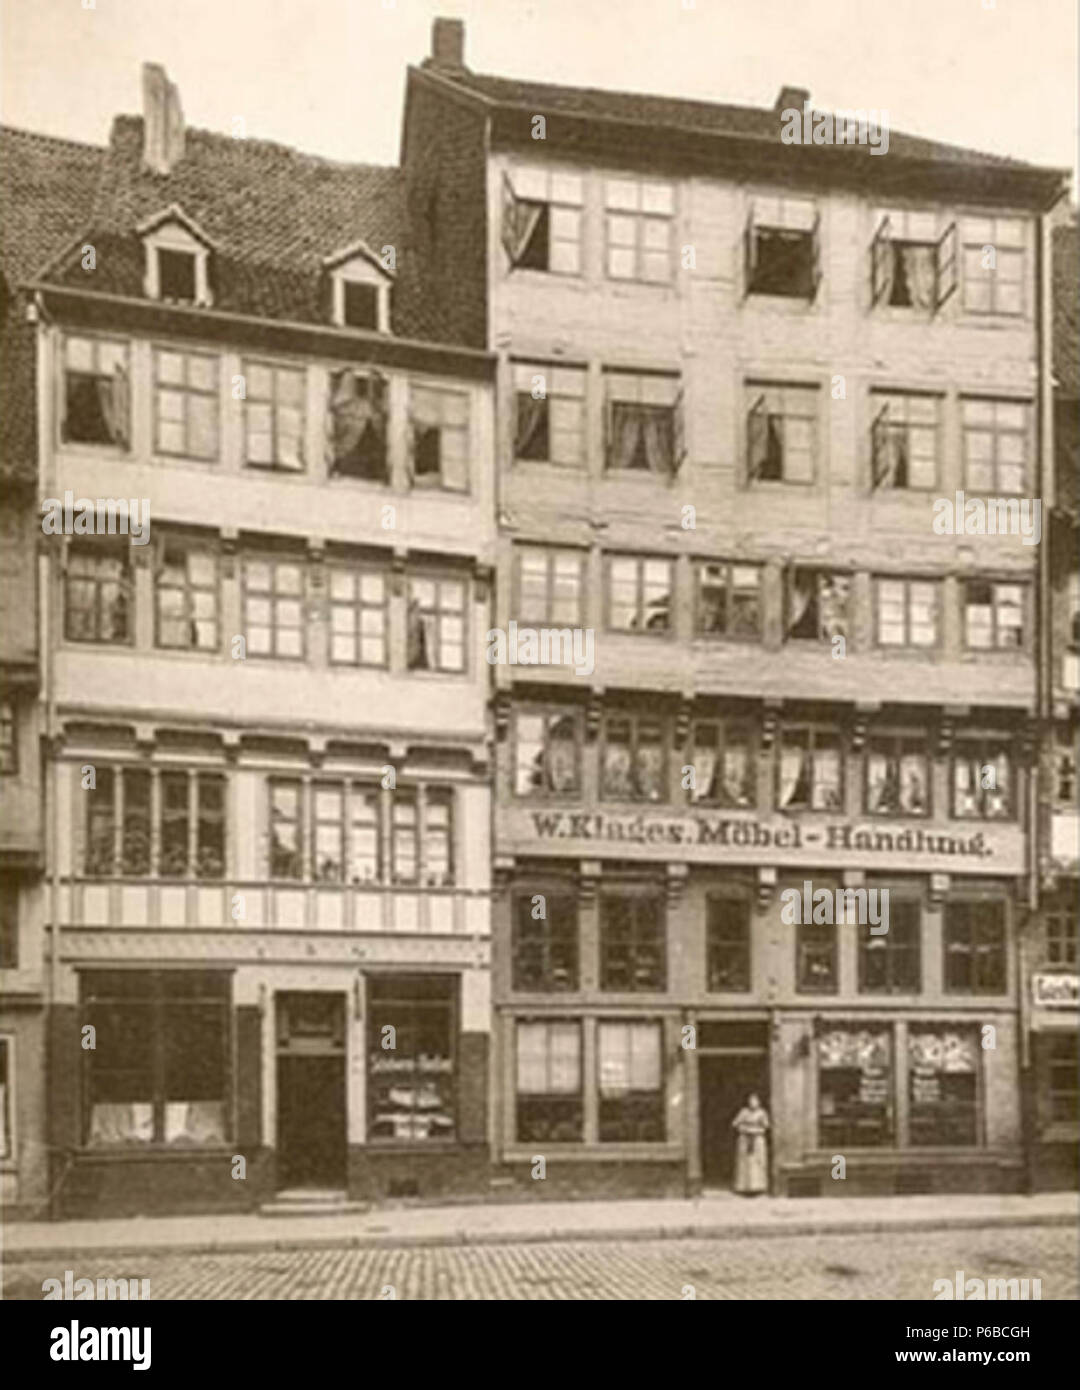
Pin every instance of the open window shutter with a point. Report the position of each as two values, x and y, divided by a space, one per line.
880 252
609 428
749 252
879 437
678 432
757 437
947 271
815 254
121 404
519 221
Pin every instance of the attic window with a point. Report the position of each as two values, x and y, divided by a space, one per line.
361 305
176 276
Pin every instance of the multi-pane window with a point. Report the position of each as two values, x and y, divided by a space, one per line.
186 403
723 763
191 824
542 220
904 440
411 1086
9 746
639 220
436 624
897 775
99 594
1062 918
357 426
997 445
274 416
633 952
912 266
186 589
810 769
975 947
9 929
547 752
550 585
782 250
274 594
942 1086
421 837
855 1087
644 428
639 594
890 962
816 959
994 615
286 829
1062 1079
729 600
817 604
727 944
630 1082
545 946
97 394
983 780
439 437
549 413
548 1075
995 264
907 612
357 616
159 1070
781 433
345 837
634 758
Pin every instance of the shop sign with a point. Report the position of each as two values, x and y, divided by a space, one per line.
1055 991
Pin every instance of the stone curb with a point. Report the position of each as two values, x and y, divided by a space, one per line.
532 1236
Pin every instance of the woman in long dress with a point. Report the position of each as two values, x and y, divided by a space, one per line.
751 1156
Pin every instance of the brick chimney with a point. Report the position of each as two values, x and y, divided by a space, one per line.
792 99
163 120
447 44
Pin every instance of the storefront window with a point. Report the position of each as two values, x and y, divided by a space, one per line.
7 1117
942 1086
855 1084
1063 1080
975 947
411 1057
632 946
549 1099
545 942
158 1073
631 1082
816 968
727 944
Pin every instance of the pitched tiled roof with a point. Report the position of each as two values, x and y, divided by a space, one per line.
1066 292
47 188
679 114
272 214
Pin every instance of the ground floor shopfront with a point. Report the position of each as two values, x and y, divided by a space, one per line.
639 1005
204 1083
1053 1041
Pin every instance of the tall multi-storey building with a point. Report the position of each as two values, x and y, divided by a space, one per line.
268 517
43 184
1053 966
741 385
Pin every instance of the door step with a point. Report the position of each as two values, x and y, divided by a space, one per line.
303 1201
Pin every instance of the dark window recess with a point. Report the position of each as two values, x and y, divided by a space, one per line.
975 947
9 928
427 456
889 962
176 275
361 305
531 428
411 1070
727 945
535 252
545 957
816 959
633 955
358 426
783 263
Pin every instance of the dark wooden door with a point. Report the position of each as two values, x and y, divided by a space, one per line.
725 1084
311 1122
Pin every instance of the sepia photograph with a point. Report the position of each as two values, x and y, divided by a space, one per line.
539 665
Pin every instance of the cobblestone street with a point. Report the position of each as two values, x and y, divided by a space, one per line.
798 1267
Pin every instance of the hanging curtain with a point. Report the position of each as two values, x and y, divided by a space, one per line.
912 787
793 763
418 635
657 431
528 421
834 601
618 779
649 772
562 757
737 776
920 271
705 762
354 410
627 425
800 592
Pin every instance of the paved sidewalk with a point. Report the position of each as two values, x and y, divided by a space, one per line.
501 1223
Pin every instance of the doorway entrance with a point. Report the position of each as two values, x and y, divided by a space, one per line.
311 1091
732 1064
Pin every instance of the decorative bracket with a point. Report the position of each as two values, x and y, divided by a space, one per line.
482 580
770 721
501 707
230 539
677 876
939 887
397 571
589 873
594 713
766 885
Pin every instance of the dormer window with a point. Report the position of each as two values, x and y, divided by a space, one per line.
360 287
177 259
